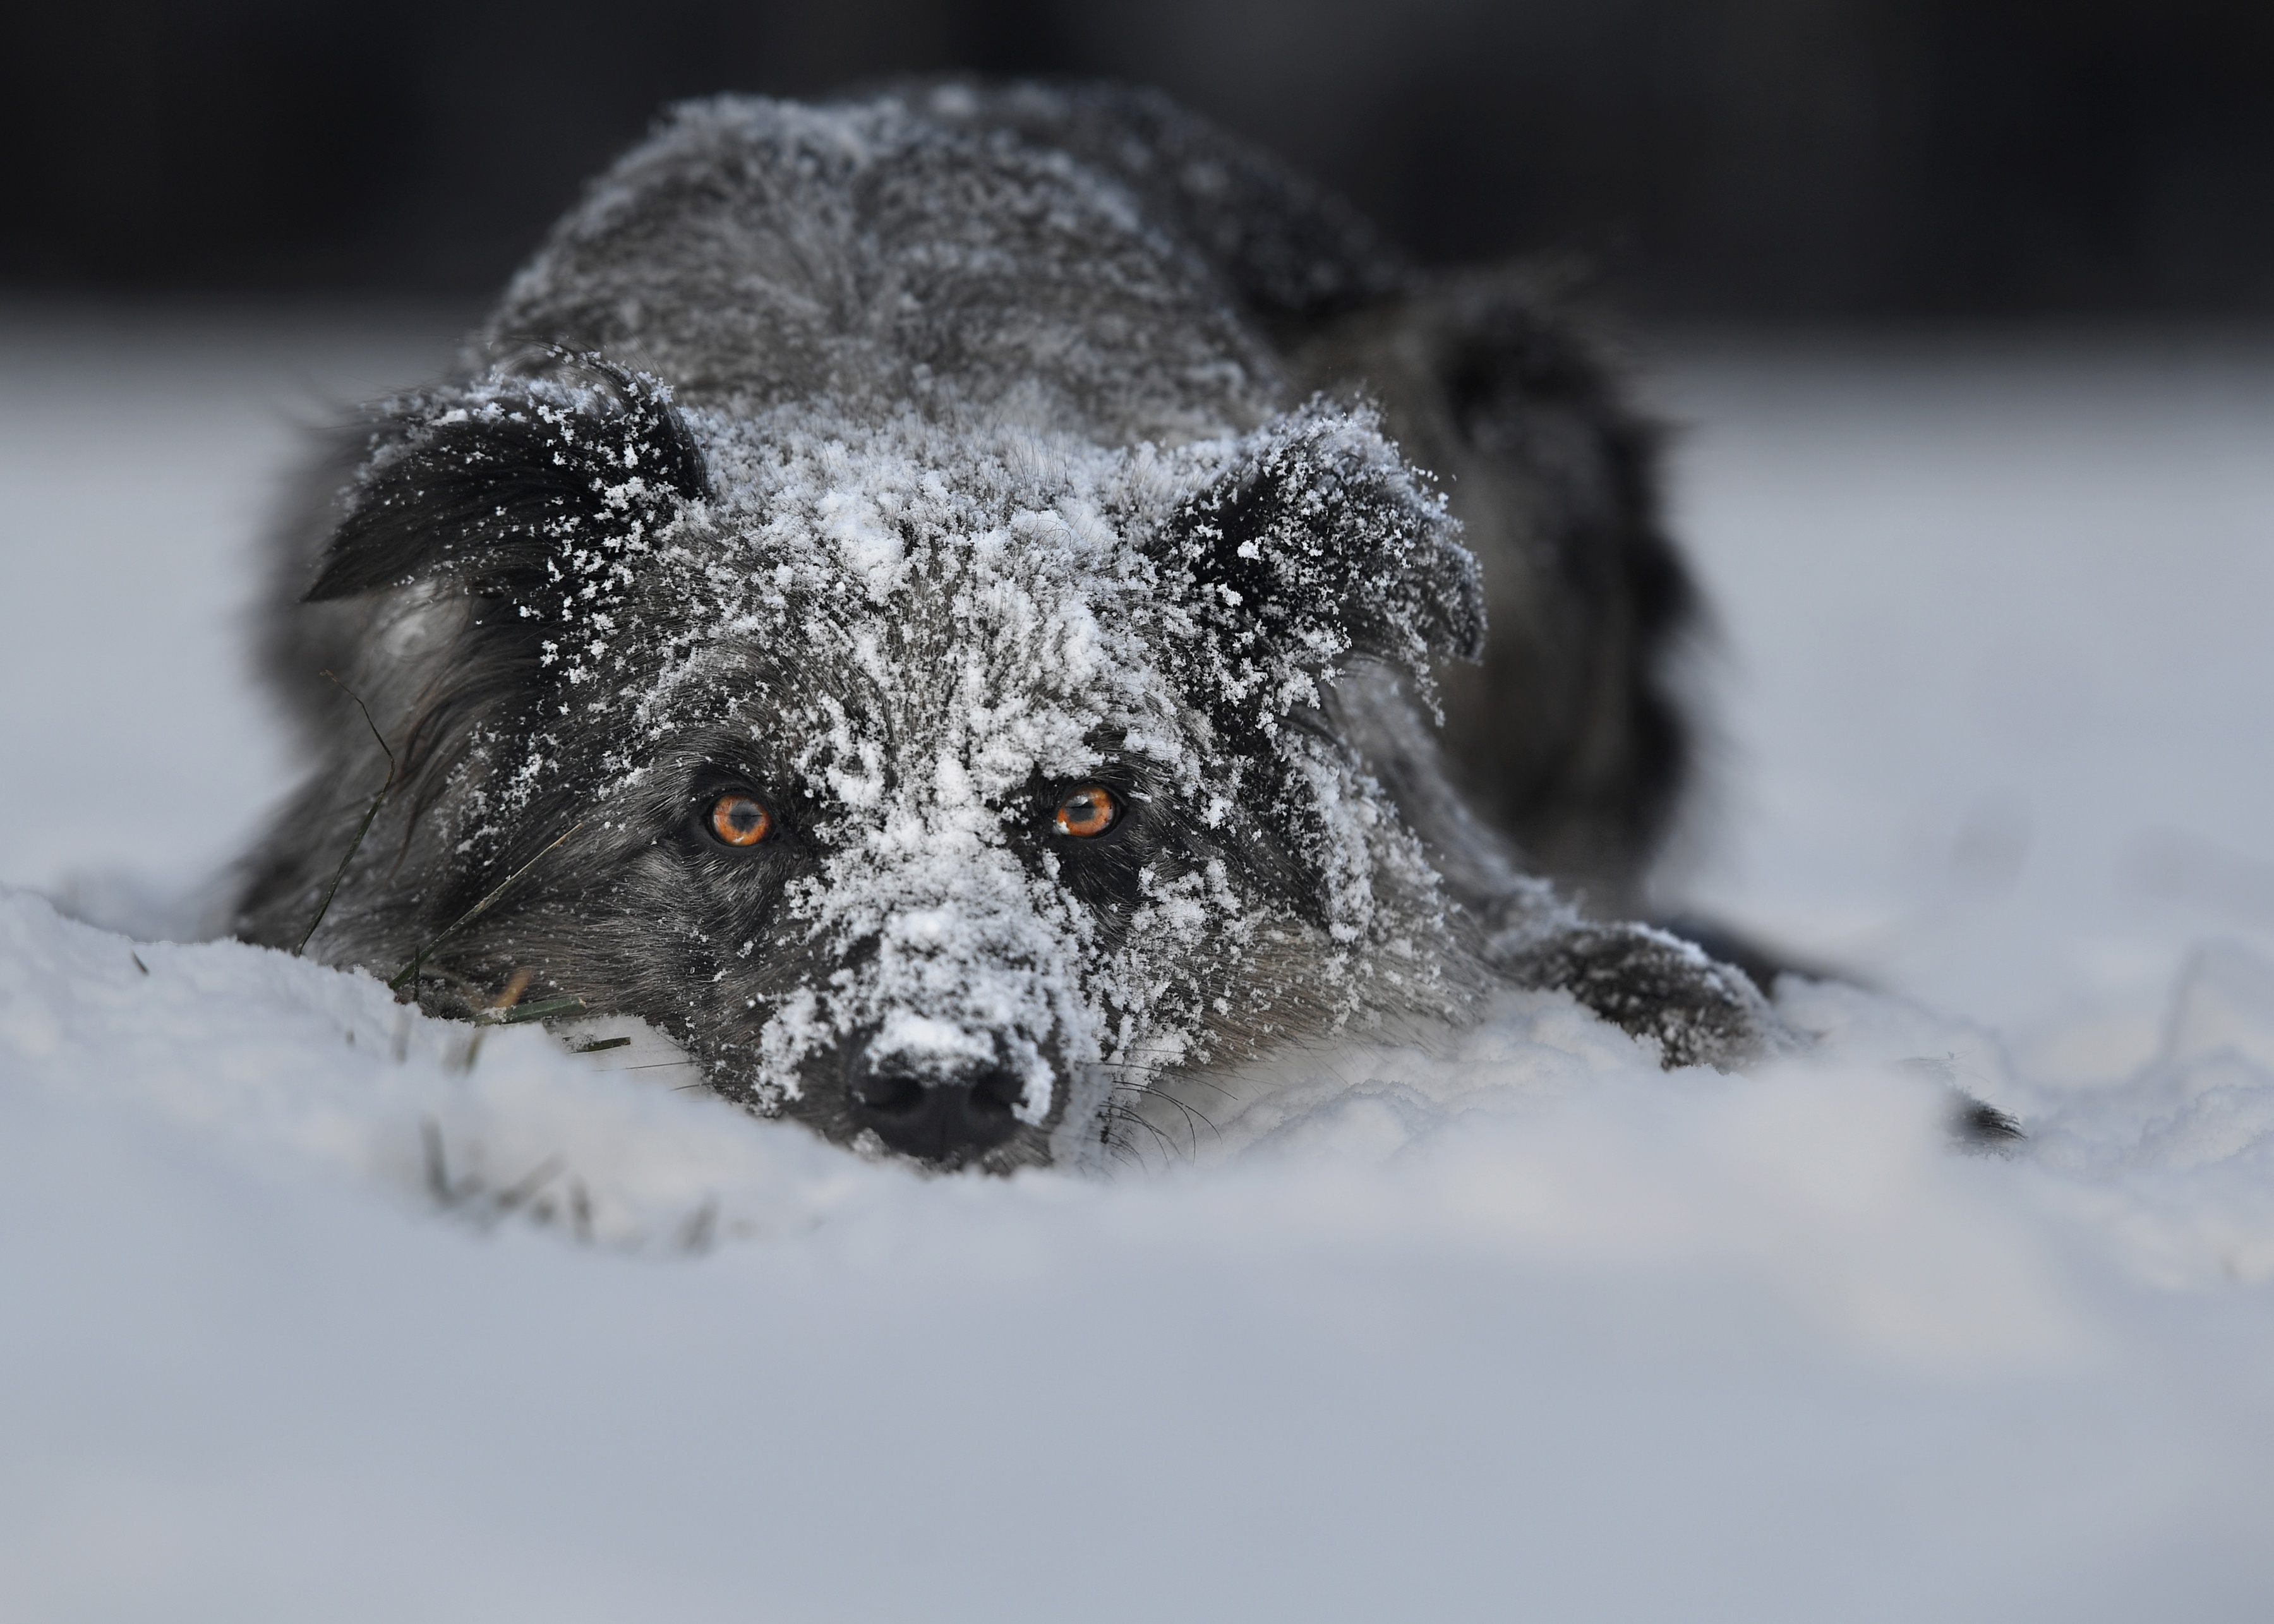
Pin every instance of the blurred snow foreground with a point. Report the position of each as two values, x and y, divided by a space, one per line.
1521 1327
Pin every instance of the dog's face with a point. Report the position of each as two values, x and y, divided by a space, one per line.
931 782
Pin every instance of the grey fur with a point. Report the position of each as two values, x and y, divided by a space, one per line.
905 461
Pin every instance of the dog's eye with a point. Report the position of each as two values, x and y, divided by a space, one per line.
1089 812
740 820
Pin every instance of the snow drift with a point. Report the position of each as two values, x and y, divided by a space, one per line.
318 1306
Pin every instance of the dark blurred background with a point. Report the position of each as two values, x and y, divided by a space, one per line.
1741 158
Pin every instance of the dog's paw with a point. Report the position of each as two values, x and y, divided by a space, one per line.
1696 1010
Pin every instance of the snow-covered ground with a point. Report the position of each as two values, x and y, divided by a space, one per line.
311 1308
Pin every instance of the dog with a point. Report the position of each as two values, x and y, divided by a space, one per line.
933 600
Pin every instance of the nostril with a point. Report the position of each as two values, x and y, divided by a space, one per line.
890 1094
937 1120
995 1093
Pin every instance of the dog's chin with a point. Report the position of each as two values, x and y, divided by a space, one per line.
1028 1147
829 1116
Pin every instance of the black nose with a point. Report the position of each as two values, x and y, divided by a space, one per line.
941 1118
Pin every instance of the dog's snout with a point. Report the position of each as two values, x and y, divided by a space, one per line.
940 1119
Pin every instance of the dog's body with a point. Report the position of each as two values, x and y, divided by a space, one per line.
932 554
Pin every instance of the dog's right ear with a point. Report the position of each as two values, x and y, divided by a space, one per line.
1313 541
513 483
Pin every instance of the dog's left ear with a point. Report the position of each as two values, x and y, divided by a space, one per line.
514 487
1318 542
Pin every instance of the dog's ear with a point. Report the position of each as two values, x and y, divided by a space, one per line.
1317 542
514 484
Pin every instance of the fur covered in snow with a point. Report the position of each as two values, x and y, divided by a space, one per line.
904 468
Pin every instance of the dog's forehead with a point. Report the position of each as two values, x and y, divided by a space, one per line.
875 490
906 604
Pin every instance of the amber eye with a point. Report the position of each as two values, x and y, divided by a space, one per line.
1089 811
739 820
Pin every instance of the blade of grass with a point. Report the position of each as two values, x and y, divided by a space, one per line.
438 1166
700 1227
544 1009
410 972
502 1204
364 828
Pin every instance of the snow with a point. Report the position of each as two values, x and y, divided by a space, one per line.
1995 611
315 1307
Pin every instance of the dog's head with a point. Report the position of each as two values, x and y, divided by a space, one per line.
931 781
